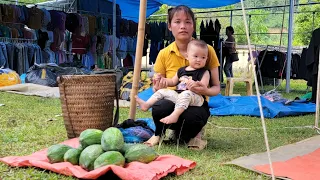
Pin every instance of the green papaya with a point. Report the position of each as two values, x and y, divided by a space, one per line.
126 147
56 152
89 155
89 137
72 156
80 147
108 158
112 139
141 153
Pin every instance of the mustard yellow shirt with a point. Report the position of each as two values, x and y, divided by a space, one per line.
169 60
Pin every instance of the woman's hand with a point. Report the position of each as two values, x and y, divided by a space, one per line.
197 87
159 82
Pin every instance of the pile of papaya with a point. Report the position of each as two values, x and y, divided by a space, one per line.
101 148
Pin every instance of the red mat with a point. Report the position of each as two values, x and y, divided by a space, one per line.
305 167
134 171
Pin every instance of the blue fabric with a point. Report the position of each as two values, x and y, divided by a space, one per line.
10 52
138 134
248 106
23 78
88 61
146 94
3 56
88 6
25 57
149 122
130 8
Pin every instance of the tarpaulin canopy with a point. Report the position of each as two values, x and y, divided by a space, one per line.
130 8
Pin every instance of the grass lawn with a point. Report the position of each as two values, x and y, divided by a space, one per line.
29 124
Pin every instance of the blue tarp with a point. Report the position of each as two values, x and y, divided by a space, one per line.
130 8
248 106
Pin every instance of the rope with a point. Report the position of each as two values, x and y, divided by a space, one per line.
162 135
178 141
244 128
258 92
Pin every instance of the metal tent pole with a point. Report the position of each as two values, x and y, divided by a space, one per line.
231 15
114 30
290 37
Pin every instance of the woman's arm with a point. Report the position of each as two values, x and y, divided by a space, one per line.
215 88
159 68
200 88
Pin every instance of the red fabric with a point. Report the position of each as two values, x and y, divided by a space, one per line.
301 167
134 171
80 44
128 62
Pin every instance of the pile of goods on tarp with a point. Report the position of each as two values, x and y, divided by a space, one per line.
8 77
101 148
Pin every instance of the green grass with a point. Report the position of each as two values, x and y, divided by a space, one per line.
28 124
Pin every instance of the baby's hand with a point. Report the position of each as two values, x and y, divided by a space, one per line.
157 76
190 83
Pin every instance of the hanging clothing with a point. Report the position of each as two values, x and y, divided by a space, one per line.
102 24
128 61
19 56
35 19
43 38
92 24
5 31
122 48
80 44
72 22
302 72
313 61
88 61
3 56
85 29
46 18
108 46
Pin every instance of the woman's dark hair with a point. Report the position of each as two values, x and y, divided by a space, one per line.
183 8
230 28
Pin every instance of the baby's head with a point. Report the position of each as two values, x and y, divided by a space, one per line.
197 53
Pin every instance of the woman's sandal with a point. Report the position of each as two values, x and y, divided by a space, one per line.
197 144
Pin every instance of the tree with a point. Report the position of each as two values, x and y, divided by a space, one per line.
271 20
163 10
23 2
304 23
256 27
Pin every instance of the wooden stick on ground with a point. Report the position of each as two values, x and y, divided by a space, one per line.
137 64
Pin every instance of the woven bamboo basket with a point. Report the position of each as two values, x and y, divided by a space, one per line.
87 102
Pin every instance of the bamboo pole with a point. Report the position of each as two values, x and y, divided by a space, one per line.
316 123
137 64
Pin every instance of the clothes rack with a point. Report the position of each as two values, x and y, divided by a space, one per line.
29 4
6 39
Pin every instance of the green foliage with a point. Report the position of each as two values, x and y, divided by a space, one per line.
255 26
265 24
22 2
162 11
305 23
